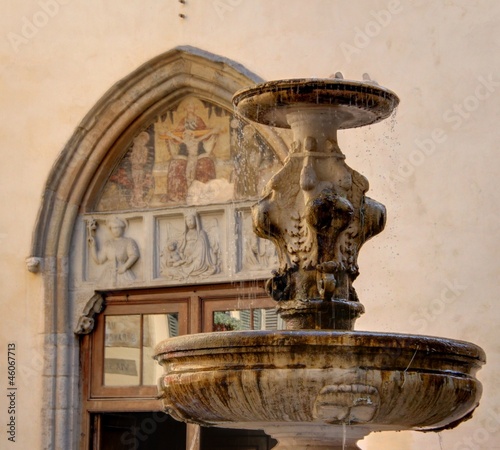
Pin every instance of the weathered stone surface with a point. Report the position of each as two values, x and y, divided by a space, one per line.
315 209
376 381
318 389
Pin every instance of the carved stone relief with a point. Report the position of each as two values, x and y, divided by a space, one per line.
184 176
34 264
86 320
177 246
111 256
255 253
190 246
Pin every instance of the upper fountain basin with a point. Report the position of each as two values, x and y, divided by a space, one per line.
351 103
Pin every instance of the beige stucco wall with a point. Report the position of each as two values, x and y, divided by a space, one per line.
434 270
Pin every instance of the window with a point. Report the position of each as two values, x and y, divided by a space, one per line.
120 393
235 314
125 337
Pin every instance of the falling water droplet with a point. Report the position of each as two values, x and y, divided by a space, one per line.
344 435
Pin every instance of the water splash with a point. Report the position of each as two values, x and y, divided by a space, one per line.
409 364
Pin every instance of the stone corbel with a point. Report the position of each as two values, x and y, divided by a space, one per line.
34 264
86 321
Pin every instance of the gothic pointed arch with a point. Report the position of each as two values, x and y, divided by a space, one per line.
86 159
76 186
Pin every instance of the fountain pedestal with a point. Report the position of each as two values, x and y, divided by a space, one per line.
318 384
328 437
315 209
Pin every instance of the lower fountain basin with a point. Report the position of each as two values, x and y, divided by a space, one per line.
326 383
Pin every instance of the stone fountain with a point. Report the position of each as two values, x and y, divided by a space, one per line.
318 384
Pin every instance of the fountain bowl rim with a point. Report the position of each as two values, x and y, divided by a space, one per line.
268 103
332 338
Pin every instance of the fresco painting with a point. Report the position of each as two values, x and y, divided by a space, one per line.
196 153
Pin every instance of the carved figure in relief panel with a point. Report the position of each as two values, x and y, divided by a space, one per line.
257 253
260 254
193 252
119 253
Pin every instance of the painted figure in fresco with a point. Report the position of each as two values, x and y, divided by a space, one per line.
140 178
253 165
131 183
194 255
247 162
119 253
189 157
192 161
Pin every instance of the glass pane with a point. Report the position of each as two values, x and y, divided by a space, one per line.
156 328
246 319
258 315
122 351
266 319
270 320
231 320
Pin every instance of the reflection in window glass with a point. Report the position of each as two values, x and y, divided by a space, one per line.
156 328
128 353
122 351
246 319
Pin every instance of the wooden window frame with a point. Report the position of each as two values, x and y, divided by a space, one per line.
97 388
195 302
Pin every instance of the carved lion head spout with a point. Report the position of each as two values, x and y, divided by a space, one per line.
315 209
